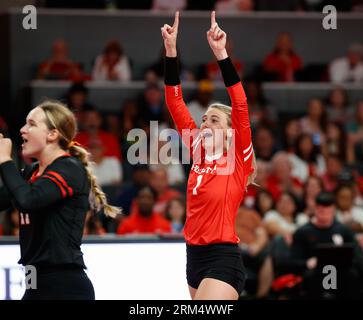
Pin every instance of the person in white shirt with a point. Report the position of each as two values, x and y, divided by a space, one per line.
281 222
346 212
112 64
348 68
108 170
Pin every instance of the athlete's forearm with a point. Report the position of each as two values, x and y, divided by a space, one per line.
28 197
229 72
171 71
174 97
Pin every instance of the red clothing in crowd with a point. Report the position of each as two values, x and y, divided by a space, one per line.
214 72
136 223
274 185
109 142
285 71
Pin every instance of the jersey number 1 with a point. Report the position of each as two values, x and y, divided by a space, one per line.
199 181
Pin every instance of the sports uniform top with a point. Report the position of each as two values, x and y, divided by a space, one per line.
215 186
52 210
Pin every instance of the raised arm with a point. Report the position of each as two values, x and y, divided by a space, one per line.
240 119
173 91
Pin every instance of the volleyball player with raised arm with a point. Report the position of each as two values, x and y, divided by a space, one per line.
223 166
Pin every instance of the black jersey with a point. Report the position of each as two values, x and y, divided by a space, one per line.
307 237
52 210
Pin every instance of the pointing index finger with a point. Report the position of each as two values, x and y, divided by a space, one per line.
176 20
213 18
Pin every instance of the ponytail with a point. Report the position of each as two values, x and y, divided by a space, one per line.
59 117
98 198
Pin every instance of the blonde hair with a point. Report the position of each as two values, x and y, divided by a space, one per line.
227 110
59 117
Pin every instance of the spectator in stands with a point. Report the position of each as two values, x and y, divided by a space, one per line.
59 66
261 113
355 138
113 124
128 192
113 64
223 6
264 143
282 63
261 182
282 220
348 68
77 102
336 141
334 167
355 126
130 117
92 131
168 160
93 225
264 202
312 187
175 212
107 169
253 244
155 72
10 225
203 99
281 178
325 229
152 107
338 108
144 219
314 122
169 5
347 212
212 70
292 130
306 160
160 184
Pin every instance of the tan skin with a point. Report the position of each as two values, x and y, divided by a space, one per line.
42 143
209 289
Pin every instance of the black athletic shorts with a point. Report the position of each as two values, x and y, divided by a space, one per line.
67 282
221 261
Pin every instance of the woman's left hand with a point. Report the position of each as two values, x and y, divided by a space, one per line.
5 149
217 39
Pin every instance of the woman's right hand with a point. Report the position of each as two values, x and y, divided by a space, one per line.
169 35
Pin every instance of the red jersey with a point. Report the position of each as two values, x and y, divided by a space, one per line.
213 198
136 223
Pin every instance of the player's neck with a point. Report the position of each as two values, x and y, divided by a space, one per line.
47 157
